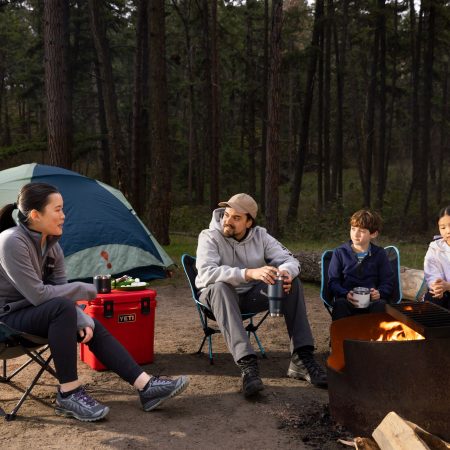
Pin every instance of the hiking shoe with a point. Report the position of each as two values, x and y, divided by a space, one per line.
160 389
307 368
81 406
251 381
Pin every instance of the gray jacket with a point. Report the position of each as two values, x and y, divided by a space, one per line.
221 258
28 277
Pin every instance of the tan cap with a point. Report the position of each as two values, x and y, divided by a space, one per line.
242 203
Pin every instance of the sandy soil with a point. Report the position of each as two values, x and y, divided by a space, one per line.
212 413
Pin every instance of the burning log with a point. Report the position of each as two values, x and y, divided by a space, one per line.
394 433
411 280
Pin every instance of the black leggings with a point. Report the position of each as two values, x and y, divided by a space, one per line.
56 320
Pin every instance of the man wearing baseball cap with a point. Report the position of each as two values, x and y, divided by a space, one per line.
236 261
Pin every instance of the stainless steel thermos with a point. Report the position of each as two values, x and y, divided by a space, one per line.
275 293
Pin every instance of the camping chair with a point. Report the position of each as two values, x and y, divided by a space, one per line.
14 344
394 259
205 312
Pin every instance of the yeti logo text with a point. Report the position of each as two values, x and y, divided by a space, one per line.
123 318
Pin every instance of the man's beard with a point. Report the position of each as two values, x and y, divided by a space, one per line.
228 231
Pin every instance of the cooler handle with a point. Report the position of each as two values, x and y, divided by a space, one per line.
145 306
108 309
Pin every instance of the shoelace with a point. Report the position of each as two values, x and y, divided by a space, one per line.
85 398
157 380
313 367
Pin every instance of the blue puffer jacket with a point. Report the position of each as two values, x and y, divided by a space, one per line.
374 271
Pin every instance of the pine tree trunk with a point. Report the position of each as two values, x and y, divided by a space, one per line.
161 188
381 162
56 65
273 123
139 129
306 114
115 136
428 62
265 84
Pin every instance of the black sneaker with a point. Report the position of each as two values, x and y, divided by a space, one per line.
251 381
307 368
81 406
160 389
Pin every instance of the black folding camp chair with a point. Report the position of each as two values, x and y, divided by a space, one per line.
394 259
14 344
205 312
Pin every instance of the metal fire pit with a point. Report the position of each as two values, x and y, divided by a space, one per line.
369 378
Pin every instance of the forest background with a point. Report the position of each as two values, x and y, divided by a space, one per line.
314 108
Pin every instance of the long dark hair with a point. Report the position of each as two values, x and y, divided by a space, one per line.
31 196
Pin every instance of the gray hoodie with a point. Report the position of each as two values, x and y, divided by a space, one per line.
221 258
28 277
437 261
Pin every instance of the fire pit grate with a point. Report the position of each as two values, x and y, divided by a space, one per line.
428 319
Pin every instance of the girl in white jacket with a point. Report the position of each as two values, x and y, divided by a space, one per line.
437 263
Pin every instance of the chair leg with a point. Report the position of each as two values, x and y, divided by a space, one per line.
13 413
210 352
34 356
261 348
202 344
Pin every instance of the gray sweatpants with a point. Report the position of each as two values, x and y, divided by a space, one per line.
227 306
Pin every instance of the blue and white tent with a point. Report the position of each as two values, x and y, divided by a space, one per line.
102 232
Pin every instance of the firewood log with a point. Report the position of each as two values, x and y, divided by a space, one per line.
394 433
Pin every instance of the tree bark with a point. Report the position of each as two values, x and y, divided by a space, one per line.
214 87
370 124
273 125
139 134
251 94
416 48
381 162
427 111
56 65
265 84
306 114
161 189
115 136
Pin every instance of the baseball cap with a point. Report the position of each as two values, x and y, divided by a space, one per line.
242 203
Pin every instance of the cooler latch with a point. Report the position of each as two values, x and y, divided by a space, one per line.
108 309
145 306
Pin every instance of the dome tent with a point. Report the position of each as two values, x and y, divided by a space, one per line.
102 232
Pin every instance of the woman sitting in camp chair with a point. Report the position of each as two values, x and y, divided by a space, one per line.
35 298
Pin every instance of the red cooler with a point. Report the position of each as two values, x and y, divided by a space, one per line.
130 317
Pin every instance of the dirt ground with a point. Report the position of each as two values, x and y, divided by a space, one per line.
211 413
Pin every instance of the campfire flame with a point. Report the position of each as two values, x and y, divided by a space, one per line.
397 331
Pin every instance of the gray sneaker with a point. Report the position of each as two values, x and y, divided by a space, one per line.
161 389
81 406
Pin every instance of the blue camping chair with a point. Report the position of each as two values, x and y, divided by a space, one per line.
14 344
205 312
394 259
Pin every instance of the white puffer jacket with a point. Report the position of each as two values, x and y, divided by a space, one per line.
437 261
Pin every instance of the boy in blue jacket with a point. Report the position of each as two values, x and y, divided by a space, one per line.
360 263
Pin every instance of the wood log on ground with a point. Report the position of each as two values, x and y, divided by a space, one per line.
363 443
395 433
411 280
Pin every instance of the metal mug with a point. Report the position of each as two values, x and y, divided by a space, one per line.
102 283
276 294
362 295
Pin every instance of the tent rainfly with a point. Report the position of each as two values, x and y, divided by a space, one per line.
102 232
